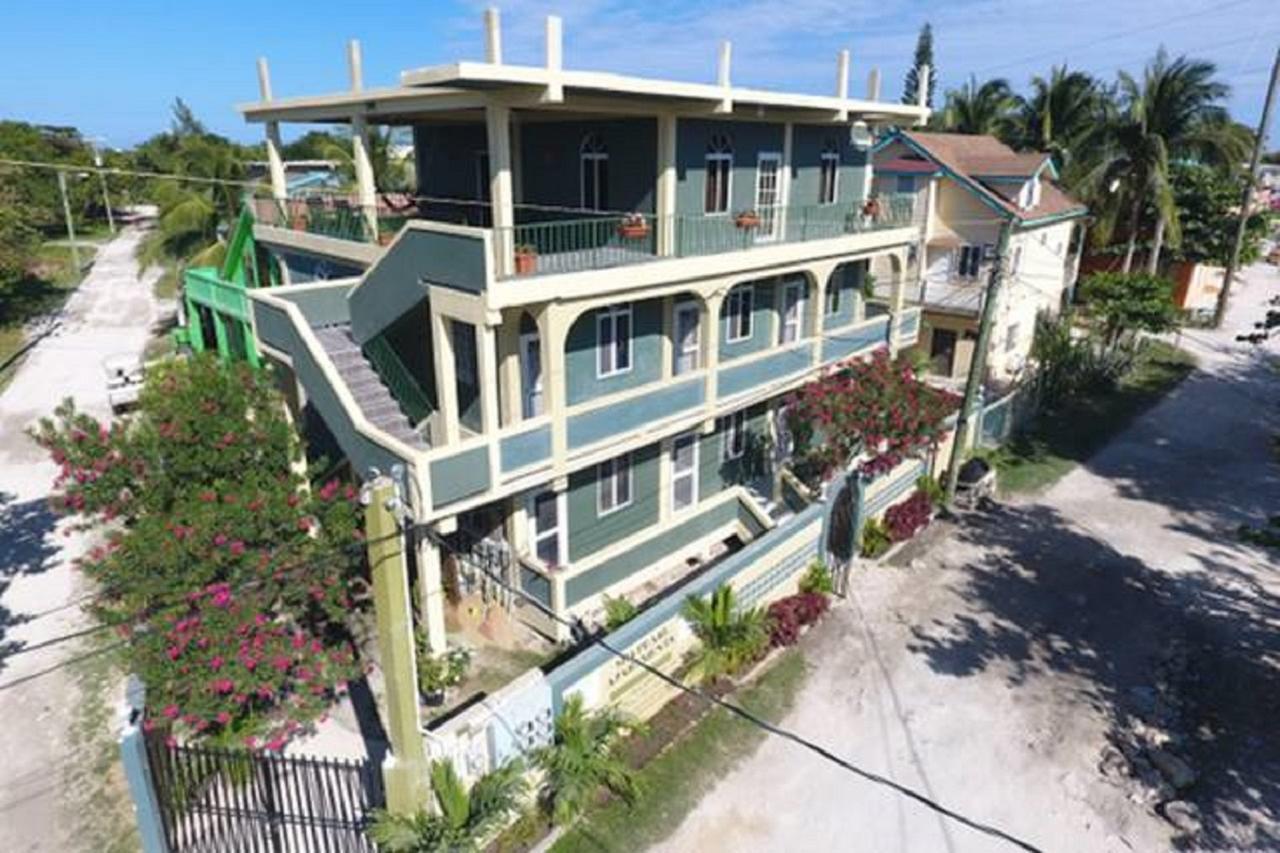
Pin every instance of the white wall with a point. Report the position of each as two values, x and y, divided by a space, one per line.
1037 285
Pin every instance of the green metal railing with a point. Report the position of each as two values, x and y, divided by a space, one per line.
399 380
597 242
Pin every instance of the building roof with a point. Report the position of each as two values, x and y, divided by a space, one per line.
905 166
985 165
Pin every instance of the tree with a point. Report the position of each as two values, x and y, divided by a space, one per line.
18 243
1129 302
731 638
1208 202
463 818
1172 113
583 758
923 56
984 110
229 577
1060 114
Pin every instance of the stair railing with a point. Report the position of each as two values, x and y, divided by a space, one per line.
399 380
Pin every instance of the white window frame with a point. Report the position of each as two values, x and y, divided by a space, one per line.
609 316
734 305
591 153
532 403
691 349
691 474
770 214
719 156
797 321
560 531
611 474
733 435
829 185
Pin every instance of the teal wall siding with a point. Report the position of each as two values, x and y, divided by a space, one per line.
848 279
847 342
716 474
460 475
536 585
646 553
321 305
646 354
764 332
446 160
552 169
748 138
671 399
524 448
735 379
588 530
807 145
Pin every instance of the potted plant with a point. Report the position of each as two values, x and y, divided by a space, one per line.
633 227
526 260
438 673
871 208
747 219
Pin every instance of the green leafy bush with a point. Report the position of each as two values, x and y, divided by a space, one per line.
617 612
732 639
461 819
931 488
875 539
437 673
583 758
817 579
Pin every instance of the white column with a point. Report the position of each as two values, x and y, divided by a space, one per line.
498 127
367 193
784 181
922 85
431 594
553 331
446 379
492 37
711 343
842 82
275 162
895 310
487 367
555 60
666 340
873 85
666 190
722 77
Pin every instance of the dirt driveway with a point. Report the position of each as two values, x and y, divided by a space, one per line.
1014 671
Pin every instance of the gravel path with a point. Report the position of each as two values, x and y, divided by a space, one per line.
1023 669
111 312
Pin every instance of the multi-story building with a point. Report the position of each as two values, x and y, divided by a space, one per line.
574 341
969 188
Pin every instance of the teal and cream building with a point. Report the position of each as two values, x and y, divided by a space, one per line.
574 340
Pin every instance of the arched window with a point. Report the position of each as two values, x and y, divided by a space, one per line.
829 173
594 159
719 174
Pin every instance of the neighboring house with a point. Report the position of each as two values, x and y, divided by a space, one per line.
301 176
967 188
578 346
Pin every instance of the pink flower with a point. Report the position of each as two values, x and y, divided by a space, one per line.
174 652
223 718
223 685
215 663
171 711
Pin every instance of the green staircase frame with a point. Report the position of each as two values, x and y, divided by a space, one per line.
217 296
400 381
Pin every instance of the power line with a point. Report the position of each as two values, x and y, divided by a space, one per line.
579 632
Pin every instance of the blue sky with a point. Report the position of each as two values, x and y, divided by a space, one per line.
113 68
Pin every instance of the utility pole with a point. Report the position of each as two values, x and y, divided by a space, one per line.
978 366
71 228
106 199
1259 142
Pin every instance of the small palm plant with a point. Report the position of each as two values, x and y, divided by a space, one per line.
464 818
583 758
732 638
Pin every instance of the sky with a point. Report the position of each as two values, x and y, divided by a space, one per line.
113 69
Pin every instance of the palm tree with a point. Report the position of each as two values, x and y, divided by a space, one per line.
985 109
463 817
1172 113
731 638
583 758
1060 114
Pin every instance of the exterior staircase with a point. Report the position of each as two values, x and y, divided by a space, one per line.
371 394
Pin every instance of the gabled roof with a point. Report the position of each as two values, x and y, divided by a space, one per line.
985 166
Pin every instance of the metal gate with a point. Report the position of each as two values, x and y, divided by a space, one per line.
228 801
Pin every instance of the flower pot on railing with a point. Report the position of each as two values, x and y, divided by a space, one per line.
746 220
633 227
526 260
871 208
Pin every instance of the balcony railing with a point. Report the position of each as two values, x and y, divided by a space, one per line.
951 293
340 217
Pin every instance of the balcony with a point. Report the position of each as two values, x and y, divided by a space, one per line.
952 294
547 240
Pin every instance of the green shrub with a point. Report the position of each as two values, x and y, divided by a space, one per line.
731 639
875 539
617 612
931 488
817 579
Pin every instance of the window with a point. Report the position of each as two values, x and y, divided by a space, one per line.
833 297
719 174
613 484
546 530
594 159
1016 260
906 183
739 308
971 260
531 373
684 471
828 174
733 431
466 374
1011 338
613 340
482 175
792 312
768 193
687 337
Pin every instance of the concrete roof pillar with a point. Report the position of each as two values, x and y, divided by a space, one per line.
492 36
355 65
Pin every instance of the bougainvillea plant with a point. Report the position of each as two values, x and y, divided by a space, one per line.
790 614
874 405
228 572
907 518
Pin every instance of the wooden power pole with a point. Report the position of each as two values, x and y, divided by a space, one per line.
1259 142
978 366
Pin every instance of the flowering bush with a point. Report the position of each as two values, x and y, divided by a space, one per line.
219 556
906 519
864 404
788 615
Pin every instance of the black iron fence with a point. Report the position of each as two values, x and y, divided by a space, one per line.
228 801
